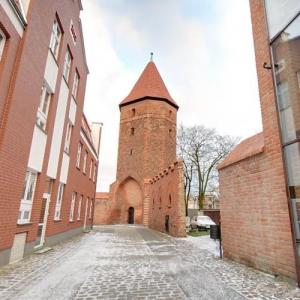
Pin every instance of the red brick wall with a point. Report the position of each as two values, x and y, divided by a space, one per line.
254 206
164 196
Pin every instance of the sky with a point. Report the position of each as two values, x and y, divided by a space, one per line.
202 48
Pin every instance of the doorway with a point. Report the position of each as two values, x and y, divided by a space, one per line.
167 223
40 239
131 215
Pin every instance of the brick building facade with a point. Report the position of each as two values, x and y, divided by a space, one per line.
48 152
147 146
259 180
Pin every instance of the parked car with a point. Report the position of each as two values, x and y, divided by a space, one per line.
202 222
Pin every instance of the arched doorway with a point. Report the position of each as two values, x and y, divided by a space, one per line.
130 215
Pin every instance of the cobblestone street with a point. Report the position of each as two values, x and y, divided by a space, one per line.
132 262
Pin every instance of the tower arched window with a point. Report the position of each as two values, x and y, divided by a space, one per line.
132 131
170 201
170 132
133 112
160 203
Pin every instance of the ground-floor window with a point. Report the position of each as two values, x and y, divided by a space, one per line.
27 197
72 206
79 207
91 208
59 201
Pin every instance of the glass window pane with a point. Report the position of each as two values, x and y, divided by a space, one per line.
279 13
292 157
286 53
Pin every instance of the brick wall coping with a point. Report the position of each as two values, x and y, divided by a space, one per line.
247 148
102 196
166 171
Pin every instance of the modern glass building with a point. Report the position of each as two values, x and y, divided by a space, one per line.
283 18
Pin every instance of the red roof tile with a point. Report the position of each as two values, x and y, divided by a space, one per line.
149 85
247 148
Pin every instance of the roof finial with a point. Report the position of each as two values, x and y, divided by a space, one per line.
151 56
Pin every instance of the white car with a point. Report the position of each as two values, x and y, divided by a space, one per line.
202 222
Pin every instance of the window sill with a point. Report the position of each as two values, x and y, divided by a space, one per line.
57 220
71 221
24 224
78 220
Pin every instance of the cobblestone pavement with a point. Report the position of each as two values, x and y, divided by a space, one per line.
132 262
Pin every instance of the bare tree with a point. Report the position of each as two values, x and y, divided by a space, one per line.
204 148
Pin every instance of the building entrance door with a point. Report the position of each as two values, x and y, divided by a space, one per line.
131 215
40 239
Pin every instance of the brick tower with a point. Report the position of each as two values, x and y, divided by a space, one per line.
147 142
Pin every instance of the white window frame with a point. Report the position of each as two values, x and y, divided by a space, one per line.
67 65
27 197
72 207
298 77
75 85
79 207
55 38
84 162
78 158
91 169
43 109
90 211
2 42
68 137
94 174
59 199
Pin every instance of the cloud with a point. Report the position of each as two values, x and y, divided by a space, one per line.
203 50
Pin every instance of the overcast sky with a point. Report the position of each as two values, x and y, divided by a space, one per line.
202 48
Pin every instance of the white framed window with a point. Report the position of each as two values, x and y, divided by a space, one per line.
67 65
91 209
43 109
78 159
84 162
298 77
55 38
27 197
94 174
2 42
91 169
74 194
75 85
68 137
79 208
59 199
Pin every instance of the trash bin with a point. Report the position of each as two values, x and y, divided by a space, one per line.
215 232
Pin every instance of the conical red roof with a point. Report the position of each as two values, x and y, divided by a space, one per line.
149 85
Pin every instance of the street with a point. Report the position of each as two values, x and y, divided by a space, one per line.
133 262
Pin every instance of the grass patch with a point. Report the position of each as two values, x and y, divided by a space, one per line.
196 233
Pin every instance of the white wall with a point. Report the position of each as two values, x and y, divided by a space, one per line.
37 150
58 130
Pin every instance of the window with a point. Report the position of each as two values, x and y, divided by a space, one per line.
67 65
68 137
84 162
59 199
91 169
72 206
298 77
75 85
55 39
79 207
2 42
133 112
279 13
27 197
132 131
43 109
170 201
170 132
131 151
91 209
94 174
78 155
